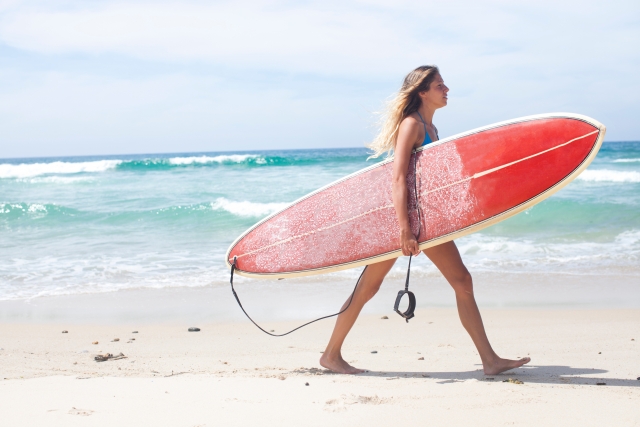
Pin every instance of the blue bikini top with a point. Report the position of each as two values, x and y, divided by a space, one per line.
427 138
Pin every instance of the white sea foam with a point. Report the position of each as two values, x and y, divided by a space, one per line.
74 274
626 161
607 175
246 209
496 253
229 158
27 170
33 208
57 179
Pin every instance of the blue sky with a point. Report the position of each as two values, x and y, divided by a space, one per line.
109 77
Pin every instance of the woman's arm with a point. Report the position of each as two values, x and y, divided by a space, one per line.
407 137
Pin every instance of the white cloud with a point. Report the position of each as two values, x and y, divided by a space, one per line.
502 59
329 37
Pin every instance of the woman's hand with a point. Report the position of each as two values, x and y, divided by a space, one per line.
408 243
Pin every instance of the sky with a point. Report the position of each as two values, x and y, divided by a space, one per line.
98 77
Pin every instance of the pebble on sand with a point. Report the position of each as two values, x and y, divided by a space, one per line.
116 340
601 383
374 351
134 332
95 343
306 383
65 332
385 317
194 329
108 356
420 358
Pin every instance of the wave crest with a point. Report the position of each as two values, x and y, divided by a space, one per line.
245 208
29 170
230 158
607 175
626 161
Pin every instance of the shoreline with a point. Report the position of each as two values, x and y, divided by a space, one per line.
303 300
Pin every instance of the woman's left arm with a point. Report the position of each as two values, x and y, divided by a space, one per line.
407 136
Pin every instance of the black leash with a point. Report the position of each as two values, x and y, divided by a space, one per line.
409 312
233 267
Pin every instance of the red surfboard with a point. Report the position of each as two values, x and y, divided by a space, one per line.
464 183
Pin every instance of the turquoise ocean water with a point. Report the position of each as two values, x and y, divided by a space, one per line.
97 224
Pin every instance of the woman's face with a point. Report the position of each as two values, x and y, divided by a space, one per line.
436 96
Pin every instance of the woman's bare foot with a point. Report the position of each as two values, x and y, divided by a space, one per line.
338 364
501 365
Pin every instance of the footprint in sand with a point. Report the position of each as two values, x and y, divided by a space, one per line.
83 412
341 404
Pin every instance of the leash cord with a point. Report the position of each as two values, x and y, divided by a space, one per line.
233 267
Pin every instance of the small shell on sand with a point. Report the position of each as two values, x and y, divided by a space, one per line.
420 358
385 317
65 332
95 343
116 340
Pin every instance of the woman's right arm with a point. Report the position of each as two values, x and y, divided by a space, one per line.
407 137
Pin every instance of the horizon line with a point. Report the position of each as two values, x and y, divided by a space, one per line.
215 152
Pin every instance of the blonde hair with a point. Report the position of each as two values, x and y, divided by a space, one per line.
406 102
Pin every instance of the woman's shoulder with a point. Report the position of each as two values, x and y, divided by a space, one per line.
411 121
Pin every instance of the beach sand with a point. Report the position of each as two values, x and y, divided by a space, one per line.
231 374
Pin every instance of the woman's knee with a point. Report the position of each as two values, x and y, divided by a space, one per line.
370 289
462 283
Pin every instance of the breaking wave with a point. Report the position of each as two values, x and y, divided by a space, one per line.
607 175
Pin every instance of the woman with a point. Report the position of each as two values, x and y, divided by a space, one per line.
409 125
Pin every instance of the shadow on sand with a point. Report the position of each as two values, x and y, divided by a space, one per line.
526 374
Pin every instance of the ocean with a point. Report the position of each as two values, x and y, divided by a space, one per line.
87 225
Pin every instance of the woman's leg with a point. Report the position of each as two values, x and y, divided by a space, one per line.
367 288
447 258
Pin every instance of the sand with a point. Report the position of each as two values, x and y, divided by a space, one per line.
230 374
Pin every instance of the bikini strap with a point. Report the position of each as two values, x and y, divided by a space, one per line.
423 123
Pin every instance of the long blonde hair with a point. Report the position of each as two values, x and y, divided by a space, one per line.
406 102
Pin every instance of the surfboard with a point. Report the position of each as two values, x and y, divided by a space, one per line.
459 185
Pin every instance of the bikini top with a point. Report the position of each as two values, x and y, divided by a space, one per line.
427 138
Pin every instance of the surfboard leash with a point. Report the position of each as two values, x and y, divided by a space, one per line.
233 268
407 314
